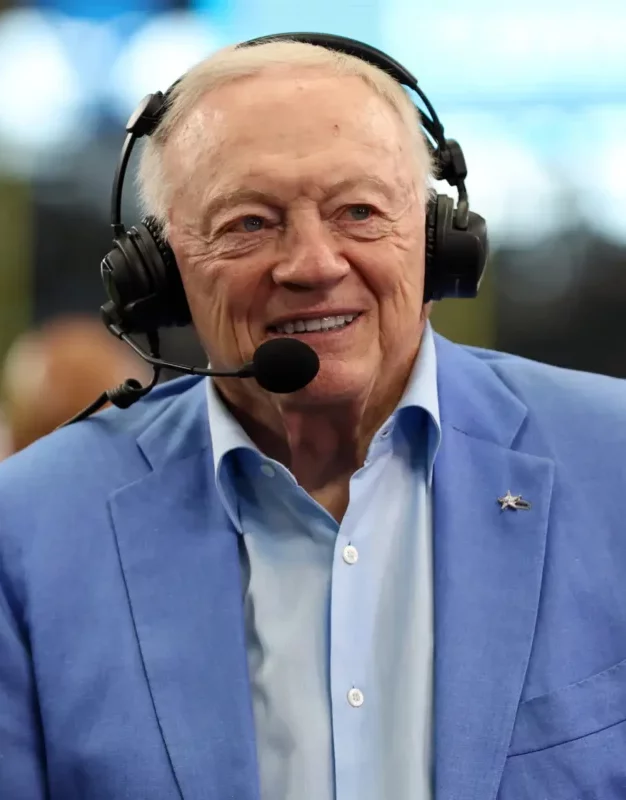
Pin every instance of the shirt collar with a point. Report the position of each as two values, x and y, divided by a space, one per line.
421 389
227 434
421 393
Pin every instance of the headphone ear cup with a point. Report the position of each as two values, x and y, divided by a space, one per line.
173 310
438 219
142 280
455 257
476 246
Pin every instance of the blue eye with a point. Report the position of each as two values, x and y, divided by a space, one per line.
252 223
360 213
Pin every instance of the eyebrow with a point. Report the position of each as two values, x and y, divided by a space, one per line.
240 196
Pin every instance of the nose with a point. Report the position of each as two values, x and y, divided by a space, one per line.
310 259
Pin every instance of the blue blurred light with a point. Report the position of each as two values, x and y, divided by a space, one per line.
104 9
160 51
540 50
246 19
42 97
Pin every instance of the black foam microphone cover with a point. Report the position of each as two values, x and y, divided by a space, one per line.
284 365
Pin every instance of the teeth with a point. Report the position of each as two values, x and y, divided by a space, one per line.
320 324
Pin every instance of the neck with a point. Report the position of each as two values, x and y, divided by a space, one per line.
323 444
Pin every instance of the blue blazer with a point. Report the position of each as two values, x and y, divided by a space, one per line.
123 670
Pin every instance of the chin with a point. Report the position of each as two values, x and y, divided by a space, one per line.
336 382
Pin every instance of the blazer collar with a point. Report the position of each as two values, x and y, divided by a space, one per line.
488 568
180 564
181 429
473 397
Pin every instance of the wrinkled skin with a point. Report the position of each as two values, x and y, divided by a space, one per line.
297 196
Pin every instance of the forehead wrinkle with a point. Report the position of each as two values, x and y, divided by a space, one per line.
194 148
227 195
269 188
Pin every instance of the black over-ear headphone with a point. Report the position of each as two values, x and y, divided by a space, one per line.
140 273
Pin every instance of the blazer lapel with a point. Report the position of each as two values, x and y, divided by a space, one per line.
488 565
179 557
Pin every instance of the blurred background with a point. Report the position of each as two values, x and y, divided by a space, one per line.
535 93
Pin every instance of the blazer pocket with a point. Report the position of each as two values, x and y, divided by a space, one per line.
577 710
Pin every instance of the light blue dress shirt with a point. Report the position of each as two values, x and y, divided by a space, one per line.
339 618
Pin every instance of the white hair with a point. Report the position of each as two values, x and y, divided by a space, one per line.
233 63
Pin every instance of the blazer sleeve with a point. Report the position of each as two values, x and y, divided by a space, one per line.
22 758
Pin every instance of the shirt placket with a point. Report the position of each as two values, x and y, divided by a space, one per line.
351 619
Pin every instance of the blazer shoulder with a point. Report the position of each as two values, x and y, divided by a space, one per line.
97 453
54 495
563 396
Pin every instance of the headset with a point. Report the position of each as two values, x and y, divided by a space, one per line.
144 286
140 274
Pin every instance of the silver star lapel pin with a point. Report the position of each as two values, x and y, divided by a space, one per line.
514 501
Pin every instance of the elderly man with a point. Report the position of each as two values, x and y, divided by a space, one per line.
402 582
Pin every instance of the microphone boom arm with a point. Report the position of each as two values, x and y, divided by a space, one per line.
246 371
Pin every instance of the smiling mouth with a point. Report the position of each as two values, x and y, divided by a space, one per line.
317 325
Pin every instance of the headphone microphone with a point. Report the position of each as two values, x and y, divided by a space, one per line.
281 365
144 286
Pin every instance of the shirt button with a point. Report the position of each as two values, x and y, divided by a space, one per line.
268 469
386 432
350 554
355 698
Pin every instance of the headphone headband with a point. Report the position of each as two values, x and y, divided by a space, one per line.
447 154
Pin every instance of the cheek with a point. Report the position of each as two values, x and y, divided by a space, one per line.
409 272
224 294
243 290
394 274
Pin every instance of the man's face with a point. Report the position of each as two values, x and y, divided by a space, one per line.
296 213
